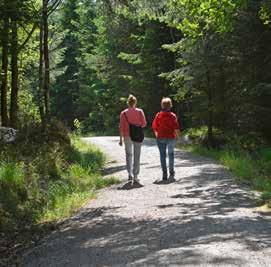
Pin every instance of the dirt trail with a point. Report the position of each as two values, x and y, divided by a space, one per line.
203 219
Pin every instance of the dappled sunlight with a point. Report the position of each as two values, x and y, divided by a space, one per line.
104 239
196 220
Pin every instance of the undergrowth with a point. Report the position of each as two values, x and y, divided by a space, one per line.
47 176
80 182
253 169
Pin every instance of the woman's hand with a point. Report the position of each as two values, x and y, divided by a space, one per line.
121 139
121 142
178 134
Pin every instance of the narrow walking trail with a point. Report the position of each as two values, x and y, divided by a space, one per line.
203 219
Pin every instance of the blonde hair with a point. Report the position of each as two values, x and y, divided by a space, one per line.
131 101
166 103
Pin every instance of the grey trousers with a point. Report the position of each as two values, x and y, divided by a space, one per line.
133 151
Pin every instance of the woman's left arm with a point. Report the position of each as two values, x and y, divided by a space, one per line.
177 128
121 129
143 119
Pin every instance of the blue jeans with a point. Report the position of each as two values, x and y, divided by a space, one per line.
163 145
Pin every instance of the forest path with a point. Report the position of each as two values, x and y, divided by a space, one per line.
203 219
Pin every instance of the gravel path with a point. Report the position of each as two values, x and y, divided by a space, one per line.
203 219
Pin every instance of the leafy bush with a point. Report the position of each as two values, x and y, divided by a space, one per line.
250 142
88 156
241 165
45 176
12 189
265 153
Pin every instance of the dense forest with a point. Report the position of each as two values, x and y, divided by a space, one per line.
70 65
80 59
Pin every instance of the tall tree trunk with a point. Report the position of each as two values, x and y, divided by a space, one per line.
4 79
224 108
46 60
14 76
210 110
41 78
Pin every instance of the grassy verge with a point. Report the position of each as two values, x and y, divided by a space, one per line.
253 169
44 177
79 183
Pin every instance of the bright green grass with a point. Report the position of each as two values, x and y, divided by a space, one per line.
29 194
65 203
79 184
65 206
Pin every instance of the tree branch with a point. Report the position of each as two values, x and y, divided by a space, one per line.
54 6
28 37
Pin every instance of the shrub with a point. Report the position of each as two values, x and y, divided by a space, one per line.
88 156
241 165
12 189
44 174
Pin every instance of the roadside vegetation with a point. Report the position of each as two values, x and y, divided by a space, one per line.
44 177
248 157
78 60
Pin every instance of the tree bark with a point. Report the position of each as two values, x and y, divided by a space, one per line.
14 76
46 60
41 78
210 110
4 79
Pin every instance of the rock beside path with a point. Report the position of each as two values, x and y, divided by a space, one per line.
7 135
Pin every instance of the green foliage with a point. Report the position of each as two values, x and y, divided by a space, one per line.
253 169
78 184
265 153
241 165
12 175
12 189
47 177
199 17
78 127
89 157
205 54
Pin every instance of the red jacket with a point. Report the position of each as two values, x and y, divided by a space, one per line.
165 125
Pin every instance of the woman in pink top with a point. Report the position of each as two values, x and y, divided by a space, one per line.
134 116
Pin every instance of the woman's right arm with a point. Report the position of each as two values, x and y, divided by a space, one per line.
121 129
155 126
143 119
177 128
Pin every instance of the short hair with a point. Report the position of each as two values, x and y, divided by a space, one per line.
166 103
131 101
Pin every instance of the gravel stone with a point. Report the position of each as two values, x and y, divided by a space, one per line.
203 219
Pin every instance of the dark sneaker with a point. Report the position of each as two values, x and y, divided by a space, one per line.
172 176
165 176
171 179
136 183
130 179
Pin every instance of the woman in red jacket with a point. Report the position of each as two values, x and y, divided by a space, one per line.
166 129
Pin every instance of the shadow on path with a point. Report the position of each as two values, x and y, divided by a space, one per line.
210 223
107 240
130 186
102 237
116 169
